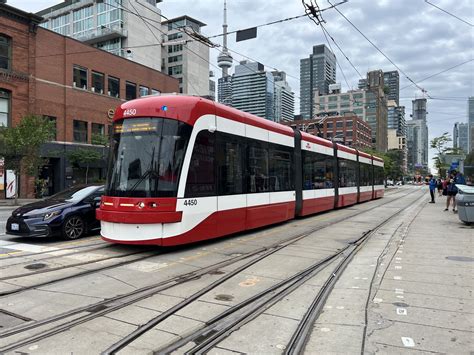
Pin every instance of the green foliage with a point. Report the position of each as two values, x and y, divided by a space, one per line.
20 145
84 157
439 143
100 139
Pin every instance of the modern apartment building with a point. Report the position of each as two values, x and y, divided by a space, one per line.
184 56
284 98
224 90
417 137
70 83
253 90
391 81
377 110
111 25
335 104
461 136
316 74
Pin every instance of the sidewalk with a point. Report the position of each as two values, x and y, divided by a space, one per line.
425 300
9 203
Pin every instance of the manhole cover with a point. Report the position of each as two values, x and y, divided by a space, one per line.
400 304
35 266
460 258
224 297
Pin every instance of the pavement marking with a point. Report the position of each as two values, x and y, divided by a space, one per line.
325 329
365 278
398 267
399 290
29 247
377 300
402 311
328 307
397 278
355 287
400 296
409 342
33 347
398 258
356 278
281 346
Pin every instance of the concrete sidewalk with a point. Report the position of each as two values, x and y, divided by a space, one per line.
409 290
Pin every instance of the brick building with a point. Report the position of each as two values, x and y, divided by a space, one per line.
348 129
75 85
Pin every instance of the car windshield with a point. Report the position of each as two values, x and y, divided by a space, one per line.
74 194
147 156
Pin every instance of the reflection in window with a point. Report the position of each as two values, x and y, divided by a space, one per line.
257 160
5 52
114 87
4 107
79 75
347 173
98 82
201 176
143 91
229 164
80 131
130 91
318 170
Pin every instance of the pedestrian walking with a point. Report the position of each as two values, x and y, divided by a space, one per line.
433 185
452 191
439 186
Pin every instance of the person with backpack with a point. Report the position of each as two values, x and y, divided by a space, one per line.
452 191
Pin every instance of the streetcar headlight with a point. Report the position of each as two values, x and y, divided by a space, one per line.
141 204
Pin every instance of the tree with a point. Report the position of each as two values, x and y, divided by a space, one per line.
85 157
439 143
20 145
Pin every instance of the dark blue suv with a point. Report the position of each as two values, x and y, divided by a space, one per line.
69 214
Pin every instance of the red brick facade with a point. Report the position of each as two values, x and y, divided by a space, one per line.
40 79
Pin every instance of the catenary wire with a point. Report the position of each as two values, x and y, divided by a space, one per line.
379 50
449 13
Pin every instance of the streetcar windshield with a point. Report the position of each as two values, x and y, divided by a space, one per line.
147 156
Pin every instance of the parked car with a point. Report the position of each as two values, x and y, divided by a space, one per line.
70 214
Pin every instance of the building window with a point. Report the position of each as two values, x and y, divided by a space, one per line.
177 69
175 58
143 91
97 133
79 75
97 82
155 92
53 120
5 52
175 48
4 107
174 36
130 91
339 124
114 87
80 131
83 21
61 24
109 14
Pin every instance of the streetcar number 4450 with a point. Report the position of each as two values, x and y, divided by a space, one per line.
190 202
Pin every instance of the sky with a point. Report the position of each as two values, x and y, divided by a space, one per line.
417 37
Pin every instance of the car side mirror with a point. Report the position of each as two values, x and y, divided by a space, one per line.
96 202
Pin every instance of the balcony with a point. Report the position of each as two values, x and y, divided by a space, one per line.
102 34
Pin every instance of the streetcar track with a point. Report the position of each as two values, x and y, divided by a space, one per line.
152 289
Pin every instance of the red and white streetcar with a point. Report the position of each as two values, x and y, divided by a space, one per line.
185 169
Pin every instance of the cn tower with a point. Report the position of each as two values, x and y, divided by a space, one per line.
224 60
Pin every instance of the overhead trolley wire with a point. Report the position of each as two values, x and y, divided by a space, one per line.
378 49
449 13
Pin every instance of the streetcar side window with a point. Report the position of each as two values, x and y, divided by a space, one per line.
257 167
378 175
281 168
229 164
347 173
317 171
365 175
201 180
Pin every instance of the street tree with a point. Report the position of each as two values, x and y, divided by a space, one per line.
20 145
439 143
84 157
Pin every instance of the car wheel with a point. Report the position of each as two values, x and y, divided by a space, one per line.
73 227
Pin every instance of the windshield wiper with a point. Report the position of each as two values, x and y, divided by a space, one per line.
147 173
